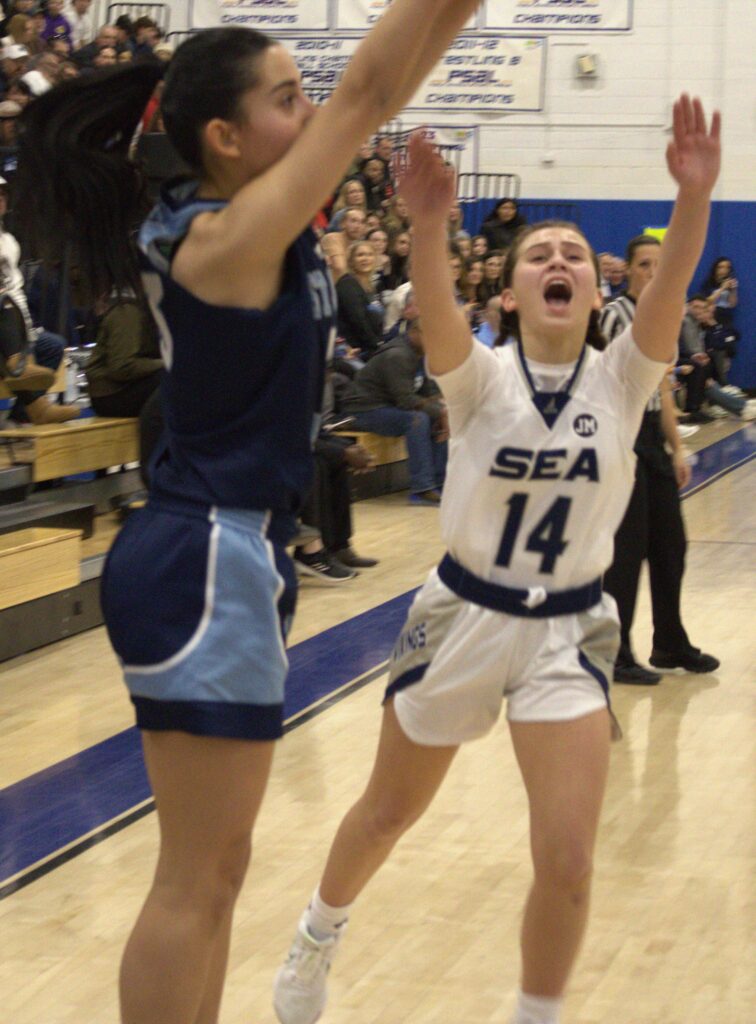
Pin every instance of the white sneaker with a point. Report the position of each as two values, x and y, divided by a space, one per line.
749 411
717 412
686 431
299 989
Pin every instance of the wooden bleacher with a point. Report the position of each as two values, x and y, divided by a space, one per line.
384 450
80 446
36 562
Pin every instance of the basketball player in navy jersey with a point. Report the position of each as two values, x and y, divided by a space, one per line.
198 589
540 471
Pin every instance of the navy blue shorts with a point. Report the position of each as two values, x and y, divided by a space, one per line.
197 606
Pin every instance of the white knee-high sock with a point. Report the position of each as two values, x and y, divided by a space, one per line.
536 1010
323 921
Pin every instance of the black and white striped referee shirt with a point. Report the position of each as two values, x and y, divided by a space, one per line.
614 318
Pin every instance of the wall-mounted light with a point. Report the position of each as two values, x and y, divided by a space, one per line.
586 66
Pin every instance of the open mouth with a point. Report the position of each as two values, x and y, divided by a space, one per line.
558 294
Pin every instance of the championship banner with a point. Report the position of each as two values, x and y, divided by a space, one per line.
270 16
559 15
478 74
361 15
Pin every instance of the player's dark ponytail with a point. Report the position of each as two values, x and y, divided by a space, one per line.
510 322
77 188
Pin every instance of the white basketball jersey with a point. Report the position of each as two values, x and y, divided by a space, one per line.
537 483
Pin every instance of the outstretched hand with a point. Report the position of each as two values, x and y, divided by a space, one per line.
694 154
426 181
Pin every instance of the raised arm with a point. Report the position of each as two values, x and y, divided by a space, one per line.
428 185
693 159
391 63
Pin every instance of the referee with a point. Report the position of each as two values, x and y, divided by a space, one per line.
653 526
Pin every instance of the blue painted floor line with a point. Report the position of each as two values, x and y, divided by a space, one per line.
54 807
57 807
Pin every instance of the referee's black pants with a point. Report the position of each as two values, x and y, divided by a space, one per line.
652 529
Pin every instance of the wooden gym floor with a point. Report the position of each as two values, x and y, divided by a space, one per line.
434 938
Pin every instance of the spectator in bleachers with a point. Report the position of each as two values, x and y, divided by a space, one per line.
470 287
79 17
379 241
124 367
146 37
489 328
360 311
336 243
456 224
480 245
384 150
721 286
455 268
616 277
351 195
15 65
44 73
124 27
47 348
9 115
605 260
61 48
57 25
19 92
394 397
20 31
462 245
21 7
106 57
502 224
358 161
705 344
397 219
38 23
493 266
377 183
399 249
107 36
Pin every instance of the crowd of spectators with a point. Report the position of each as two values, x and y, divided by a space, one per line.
366 236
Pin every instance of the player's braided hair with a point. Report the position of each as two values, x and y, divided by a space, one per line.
510 322
78 189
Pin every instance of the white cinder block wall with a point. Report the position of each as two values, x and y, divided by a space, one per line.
607 137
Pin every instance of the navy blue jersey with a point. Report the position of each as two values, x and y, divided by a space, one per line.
243 387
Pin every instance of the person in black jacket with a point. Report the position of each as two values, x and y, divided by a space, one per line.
360 313
502 224
393 397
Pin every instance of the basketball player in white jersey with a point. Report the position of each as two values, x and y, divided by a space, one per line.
540 472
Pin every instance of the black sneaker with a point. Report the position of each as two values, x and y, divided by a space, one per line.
320 565
632 672
690 660
348 557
